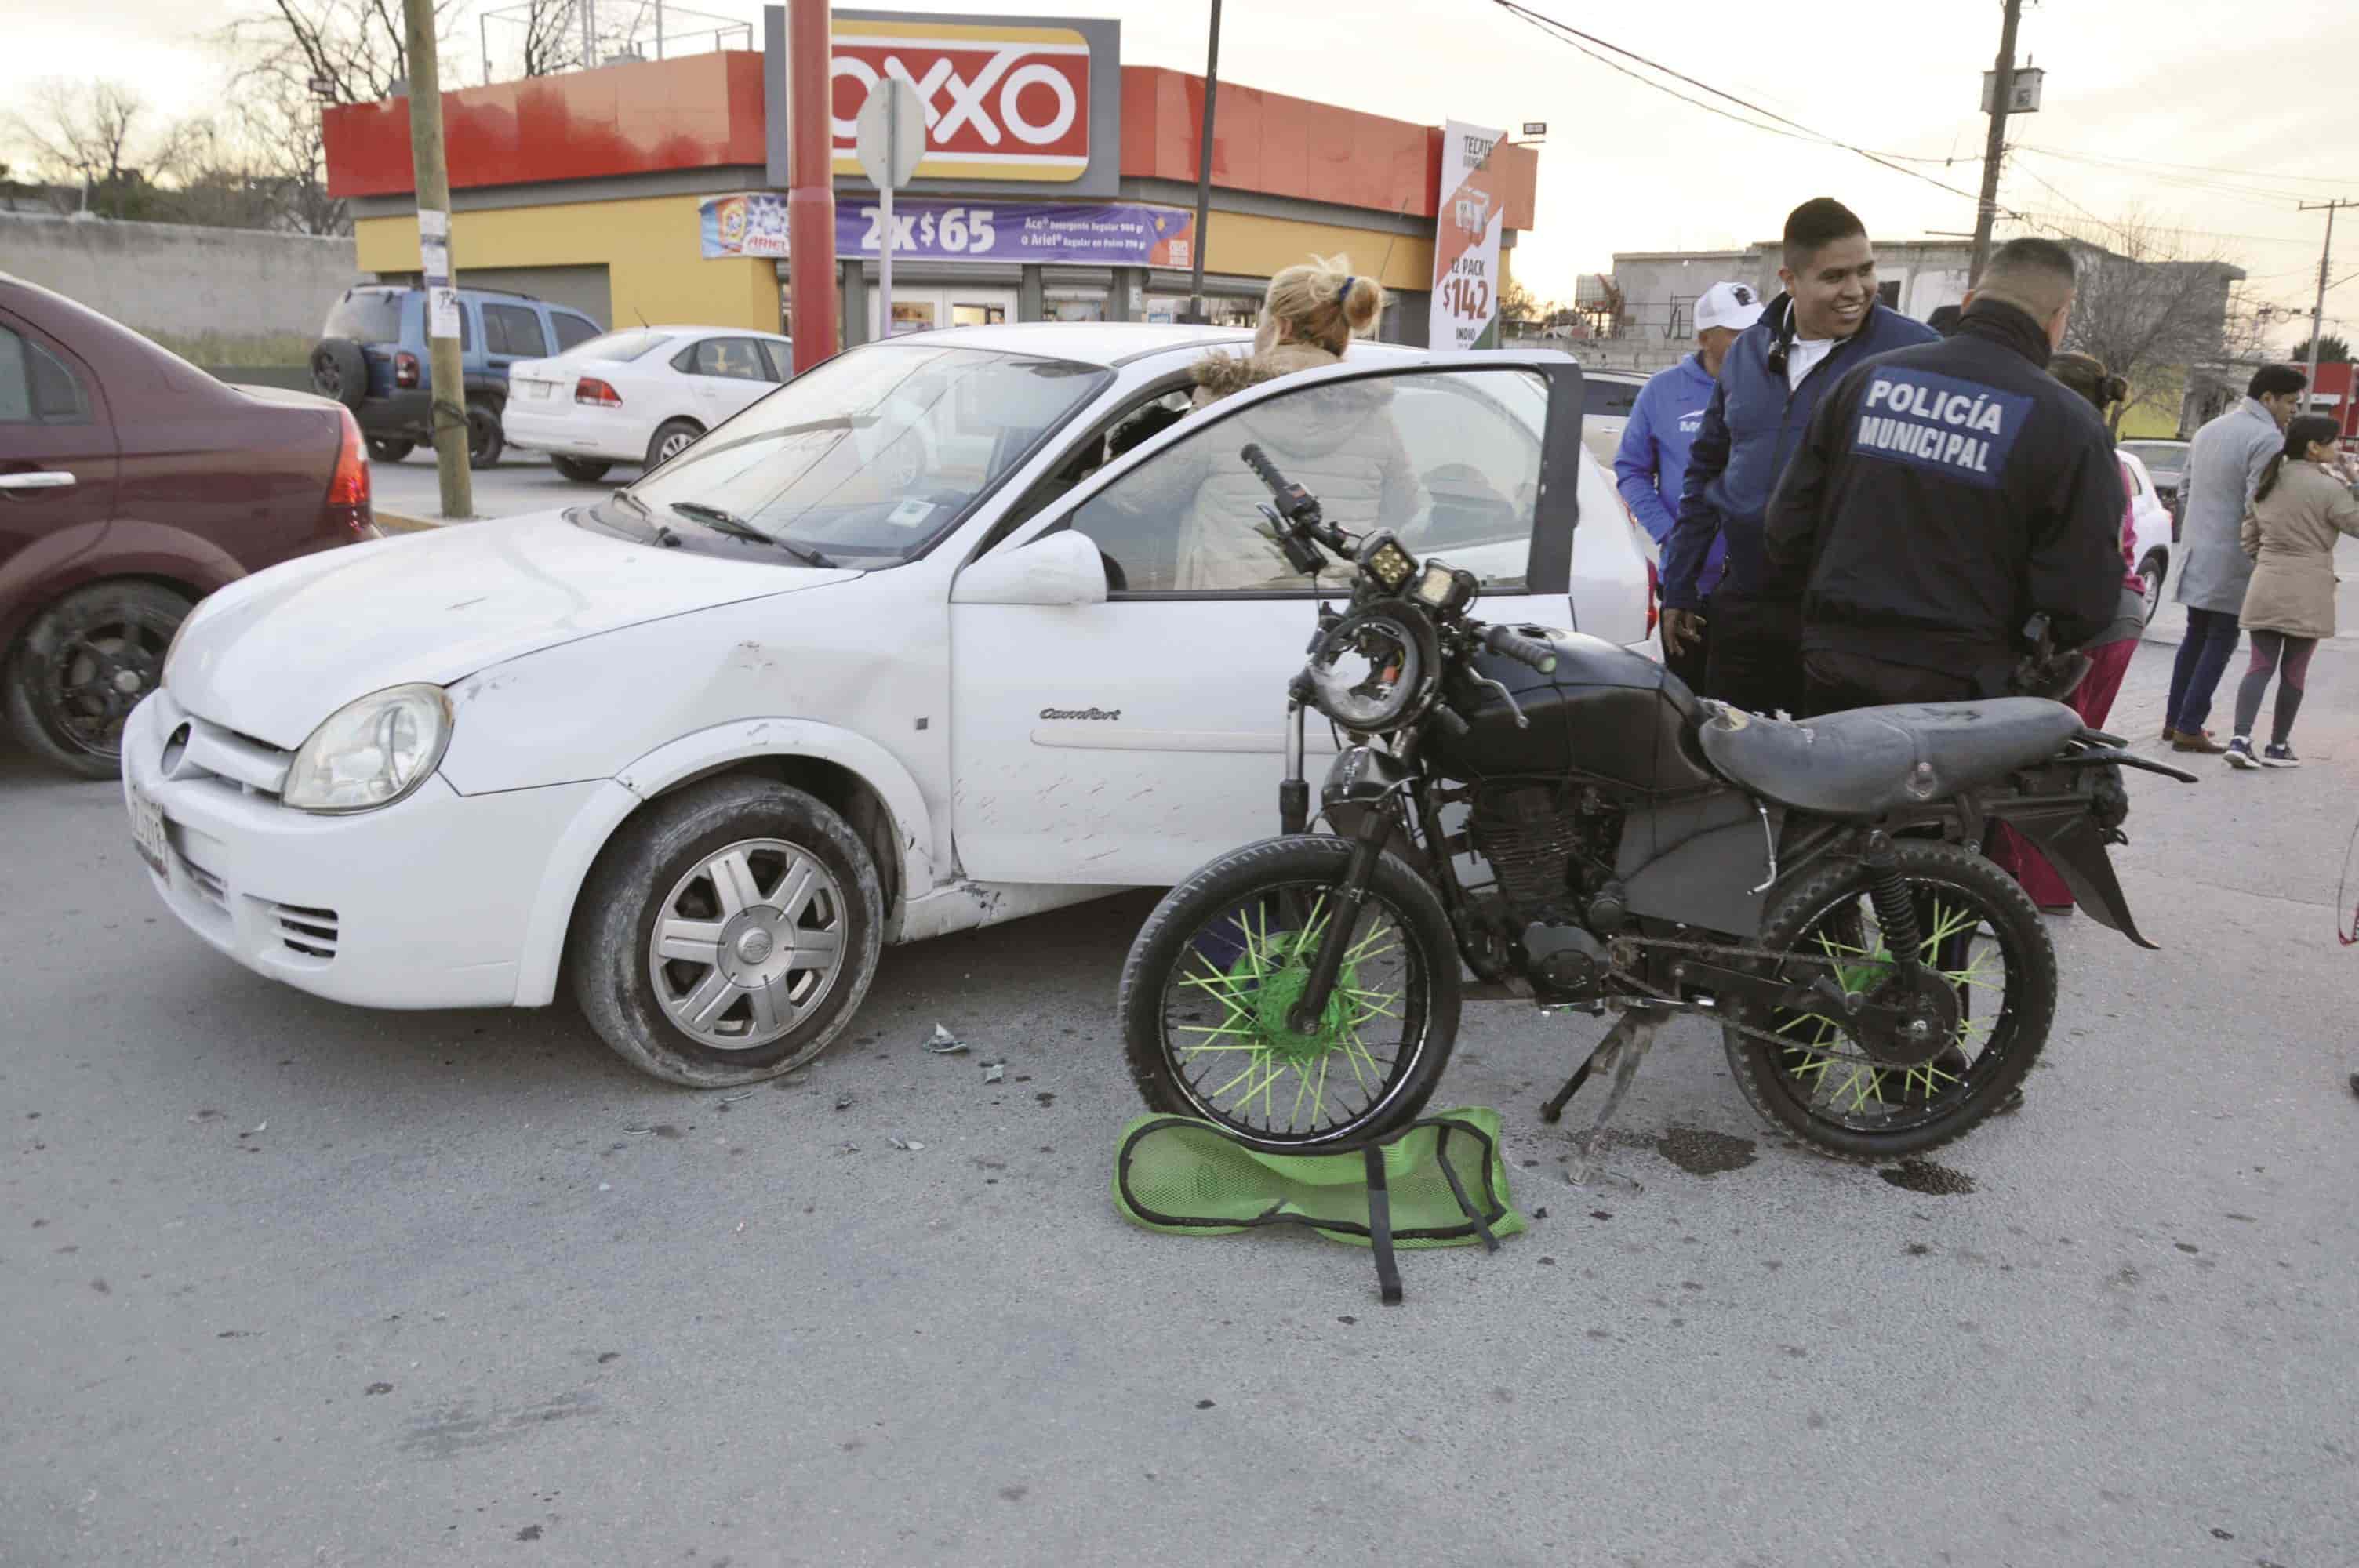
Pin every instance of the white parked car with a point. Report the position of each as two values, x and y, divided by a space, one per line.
639 395
2151 527
905 648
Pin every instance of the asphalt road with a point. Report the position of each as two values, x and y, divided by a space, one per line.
520 482
285 1282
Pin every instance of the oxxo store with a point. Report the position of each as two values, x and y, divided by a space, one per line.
1057 184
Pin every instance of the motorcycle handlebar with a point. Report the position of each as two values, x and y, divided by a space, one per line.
1259 460
1520 648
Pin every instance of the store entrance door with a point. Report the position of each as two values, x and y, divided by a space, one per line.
925 307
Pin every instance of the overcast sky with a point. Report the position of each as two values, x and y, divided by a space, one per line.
2262 92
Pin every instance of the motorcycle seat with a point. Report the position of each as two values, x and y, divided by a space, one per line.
1869 761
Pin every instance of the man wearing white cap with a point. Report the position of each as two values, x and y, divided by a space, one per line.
1652 463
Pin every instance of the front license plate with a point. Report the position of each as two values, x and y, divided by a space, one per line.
148 833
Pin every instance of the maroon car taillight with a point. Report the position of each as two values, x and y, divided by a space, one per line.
348 492
590 390
405 369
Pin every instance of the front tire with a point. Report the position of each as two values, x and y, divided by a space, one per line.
389 448
2151 571
728 934
1203 994
83 664
1980 931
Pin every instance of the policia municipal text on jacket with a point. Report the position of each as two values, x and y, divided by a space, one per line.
1943 496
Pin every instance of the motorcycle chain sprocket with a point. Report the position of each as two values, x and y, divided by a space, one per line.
1725 1018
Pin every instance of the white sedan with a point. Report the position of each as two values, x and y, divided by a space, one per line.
2150 529
900 651
639 395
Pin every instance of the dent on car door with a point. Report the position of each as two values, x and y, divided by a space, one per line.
57 455
1130 740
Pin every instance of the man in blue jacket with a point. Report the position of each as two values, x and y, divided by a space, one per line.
1826 321
1651 464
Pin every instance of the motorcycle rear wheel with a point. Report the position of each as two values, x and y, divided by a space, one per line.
1979 931
1206 992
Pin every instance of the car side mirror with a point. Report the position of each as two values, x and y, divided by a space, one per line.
1063 568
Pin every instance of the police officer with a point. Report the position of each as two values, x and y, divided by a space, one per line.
1943 496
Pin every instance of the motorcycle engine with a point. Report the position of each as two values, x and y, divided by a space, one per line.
1547 844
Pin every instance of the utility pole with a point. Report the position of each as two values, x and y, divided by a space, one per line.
431 176
2325 259
1995 149
1205 170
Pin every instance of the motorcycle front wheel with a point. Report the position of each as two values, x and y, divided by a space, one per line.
1212 980
1979 935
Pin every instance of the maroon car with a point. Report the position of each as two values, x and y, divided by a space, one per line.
132 484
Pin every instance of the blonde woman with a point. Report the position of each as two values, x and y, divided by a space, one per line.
1339 442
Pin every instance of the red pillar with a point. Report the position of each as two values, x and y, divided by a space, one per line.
810 194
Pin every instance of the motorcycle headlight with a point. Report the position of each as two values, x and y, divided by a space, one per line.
1369 669
371 752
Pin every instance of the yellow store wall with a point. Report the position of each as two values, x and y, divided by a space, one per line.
1244 246
655 267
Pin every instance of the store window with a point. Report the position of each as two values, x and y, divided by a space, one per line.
1226 310
1074 304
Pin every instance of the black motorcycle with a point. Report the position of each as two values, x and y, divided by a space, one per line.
1565 821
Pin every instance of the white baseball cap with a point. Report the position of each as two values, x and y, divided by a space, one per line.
1735 306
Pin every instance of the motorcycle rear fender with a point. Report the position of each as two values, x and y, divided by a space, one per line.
2069 836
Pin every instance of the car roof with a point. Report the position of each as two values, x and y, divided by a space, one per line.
1107 343
679 331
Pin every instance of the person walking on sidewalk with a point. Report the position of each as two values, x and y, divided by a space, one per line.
1651 464
1826 321
2303 505
2224 468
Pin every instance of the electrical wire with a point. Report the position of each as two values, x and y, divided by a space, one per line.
1565 33
2189 167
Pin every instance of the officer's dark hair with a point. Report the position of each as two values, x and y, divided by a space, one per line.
2276 381
2305 429
1816 225
2037 276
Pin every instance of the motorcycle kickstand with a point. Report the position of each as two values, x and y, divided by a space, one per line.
1625 1044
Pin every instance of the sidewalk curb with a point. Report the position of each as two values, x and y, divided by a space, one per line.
403 523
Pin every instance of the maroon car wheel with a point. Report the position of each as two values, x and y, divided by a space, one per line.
84 664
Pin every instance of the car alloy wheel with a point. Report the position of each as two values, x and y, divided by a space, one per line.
674 444
747 944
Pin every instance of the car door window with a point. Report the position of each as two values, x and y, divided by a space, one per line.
513 330
36 386
781 358
1448 460
732 358
572 330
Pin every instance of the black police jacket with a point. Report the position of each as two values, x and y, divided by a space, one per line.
1944 495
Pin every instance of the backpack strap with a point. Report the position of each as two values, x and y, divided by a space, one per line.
1380 1227
1458 1189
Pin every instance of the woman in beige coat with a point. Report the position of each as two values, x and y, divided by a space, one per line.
1339 442
2302 508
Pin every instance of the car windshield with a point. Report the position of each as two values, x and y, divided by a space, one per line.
366 316
2167 457
868 458
620 348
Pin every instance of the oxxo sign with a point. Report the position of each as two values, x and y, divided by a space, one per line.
1000 101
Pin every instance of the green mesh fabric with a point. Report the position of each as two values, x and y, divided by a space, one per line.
1176 1175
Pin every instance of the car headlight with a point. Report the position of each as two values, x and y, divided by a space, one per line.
371 752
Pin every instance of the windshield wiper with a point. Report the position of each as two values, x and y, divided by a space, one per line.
663 536
729 522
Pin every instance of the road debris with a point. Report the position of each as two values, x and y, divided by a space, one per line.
992 1073
945 1043
909 1144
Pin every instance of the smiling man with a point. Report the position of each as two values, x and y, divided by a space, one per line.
1827 321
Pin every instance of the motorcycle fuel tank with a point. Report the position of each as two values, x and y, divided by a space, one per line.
1603 711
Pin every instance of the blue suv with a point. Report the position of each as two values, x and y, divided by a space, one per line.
373 357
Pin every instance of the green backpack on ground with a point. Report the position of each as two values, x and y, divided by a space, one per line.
1439 1181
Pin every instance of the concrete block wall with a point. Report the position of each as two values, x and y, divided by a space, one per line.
227 295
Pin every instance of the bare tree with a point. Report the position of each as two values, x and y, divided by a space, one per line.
2152 306
96 135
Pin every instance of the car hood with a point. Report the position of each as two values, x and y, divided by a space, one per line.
273 653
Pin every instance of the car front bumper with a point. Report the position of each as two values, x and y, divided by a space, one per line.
424 903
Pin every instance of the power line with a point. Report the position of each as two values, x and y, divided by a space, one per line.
2191 168
1565 33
